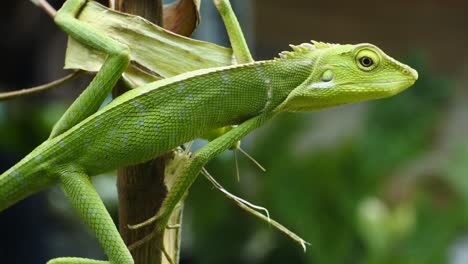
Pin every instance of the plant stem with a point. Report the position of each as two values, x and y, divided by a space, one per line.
141 187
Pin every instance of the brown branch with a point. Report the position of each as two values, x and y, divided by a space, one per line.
47 8
141 188
41 88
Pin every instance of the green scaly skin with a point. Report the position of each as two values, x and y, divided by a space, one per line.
152 119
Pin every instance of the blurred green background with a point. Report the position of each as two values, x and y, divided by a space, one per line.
378 182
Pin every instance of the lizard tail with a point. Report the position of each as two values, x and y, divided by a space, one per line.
17 184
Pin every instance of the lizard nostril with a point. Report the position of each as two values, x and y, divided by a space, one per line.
411 72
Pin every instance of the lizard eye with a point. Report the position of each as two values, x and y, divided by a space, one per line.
367 60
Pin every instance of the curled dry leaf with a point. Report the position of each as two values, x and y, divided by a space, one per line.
155 52
182 16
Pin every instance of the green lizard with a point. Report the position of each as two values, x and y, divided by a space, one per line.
154 118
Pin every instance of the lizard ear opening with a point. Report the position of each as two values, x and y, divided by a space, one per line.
327 76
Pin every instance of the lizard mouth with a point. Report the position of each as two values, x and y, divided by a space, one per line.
392 87
380 89
383 83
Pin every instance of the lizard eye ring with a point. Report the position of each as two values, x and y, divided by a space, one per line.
367 60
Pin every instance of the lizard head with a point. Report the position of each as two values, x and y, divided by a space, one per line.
343 74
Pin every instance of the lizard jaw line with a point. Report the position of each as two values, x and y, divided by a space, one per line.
325 85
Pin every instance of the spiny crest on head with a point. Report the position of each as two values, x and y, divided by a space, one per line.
322 45
304 48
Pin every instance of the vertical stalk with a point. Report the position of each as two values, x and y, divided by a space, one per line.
141 187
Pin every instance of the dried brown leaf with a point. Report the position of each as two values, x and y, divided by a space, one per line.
182 17
155 52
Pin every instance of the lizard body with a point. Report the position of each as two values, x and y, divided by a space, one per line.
152 119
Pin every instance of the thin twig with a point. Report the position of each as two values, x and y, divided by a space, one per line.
252 159
47 7
145 223
166 254
221 188
40 88
248 207
142 241
237 166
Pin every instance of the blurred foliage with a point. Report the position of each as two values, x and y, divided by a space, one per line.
25 124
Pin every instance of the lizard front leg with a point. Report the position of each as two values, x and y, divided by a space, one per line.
100 87
191 169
